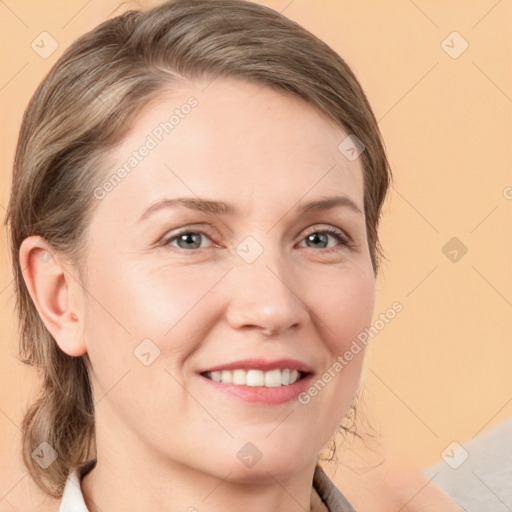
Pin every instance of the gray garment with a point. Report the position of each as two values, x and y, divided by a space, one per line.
72 498
478 474
330 494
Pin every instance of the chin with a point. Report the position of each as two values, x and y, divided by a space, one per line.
265 472
264 462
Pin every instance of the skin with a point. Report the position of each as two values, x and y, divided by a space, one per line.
165 440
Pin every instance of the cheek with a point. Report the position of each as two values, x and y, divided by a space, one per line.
343 303
343 307
133 311
129 302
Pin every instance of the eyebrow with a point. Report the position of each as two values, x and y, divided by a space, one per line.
223 208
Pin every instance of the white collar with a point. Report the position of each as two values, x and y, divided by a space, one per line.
72 497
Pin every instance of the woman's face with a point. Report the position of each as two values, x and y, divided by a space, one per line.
174 291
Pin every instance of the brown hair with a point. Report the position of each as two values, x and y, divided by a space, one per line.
85 105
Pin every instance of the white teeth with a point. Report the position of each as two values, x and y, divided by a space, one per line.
273 379
226 376
239 377
255 378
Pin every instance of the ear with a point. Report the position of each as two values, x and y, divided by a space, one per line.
56 293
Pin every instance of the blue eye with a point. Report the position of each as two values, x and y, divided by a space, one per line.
192 240
315 238
189 239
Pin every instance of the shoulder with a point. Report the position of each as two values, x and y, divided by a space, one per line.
392 488
408 490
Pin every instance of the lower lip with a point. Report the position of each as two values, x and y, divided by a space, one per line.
262 394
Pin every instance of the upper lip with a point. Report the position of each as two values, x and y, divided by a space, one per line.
262 364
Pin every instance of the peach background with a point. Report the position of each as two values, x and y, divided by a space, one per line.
440 371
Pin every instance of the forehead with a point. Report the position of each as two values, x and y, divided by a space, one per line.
232 140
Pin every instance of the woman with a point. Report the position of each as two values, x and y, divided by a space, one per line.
207 377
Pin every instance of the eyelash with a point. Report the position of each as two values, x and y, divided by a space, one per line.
338 235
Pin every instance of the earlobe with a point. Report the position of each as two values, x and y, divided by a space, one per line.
54 292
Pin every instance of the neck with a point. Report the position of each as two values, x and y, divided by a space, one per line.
139 479
116 490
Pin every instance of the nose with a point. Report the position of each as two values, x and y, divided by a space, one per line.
266 296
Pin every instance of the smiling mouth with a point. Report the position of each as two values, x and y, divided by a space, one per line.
256 378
